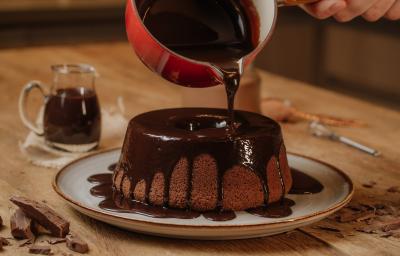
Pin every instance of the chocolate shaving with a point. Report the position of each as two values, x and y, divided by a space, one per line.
44 215
76 244
394 189
370 184
25 242
379 206
21 225
391 226
355 207
331 229
4 242
40 249
396 234
368 229
347 216
56 240
365 216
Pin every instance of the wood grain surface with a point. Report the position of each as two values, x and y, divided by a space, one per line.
122 74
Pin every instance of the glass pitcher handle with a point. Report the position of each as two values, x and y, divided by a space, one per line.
294 2
22 105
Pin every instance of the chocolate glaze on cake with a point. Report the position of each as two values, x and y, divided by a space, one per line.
187 158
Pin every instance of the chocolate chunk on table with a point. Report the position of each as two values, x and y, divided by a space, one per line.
391 225
40 249
76 244
4 241
21 225
44 215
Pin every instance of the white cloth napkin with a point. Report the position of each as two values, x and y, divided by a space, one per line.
37 152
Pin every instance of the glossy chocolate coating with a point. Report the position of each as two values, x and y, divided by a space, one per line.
168 135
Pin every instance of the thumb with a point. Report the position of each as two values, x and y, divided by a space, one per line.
324 8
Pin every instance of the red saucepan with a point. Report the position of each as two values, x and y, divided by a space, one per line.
187 72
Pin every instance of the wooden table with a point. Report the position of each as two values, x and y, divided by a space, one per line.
122 74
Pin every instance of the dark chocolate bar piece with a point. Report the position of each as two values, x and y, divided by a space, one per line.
40 249
21 225
44 215
76 244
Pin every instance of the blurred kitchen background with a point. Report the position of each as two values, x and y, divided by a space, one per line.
358 58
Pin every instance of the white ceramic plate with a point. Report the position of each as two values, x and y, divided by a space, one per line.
72 185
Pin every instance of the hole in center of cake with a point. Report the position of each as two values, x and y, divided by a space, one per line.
196 123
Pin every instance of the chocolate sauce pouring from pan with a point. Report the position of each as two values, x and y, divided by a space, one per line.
194 68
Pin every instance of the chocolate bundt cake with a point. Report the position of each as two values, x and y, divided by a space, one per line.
187 158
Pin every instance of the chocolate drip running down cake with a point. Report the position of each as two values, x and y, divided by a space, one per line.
187 158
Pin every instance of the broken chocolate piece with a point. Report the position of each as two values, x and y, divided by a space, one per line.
56 240
21 225
379 206
1 222
392 225
25 242
76 244
44 215
347 216
4 241
394 189
370 184
40 249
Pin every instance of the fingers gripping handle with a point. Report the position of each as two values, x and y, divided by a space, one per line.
294 2
22 105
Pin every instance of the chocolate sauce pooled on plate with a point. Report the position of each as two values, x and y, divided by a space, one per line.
72 116
304 184
219 215
114 202
112 167
274 210
102 178
217 32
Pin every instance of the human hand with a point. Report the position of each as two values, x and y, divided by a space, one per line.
346 10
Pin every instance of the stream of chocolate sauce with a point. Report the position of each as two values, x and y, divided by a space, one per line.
112 201
217 32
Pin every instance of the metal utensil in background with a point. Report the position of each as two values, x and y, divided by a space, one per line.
319 130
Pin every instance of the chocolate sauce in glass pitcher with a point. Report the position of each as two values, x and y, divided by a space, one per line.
72 116
212 31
